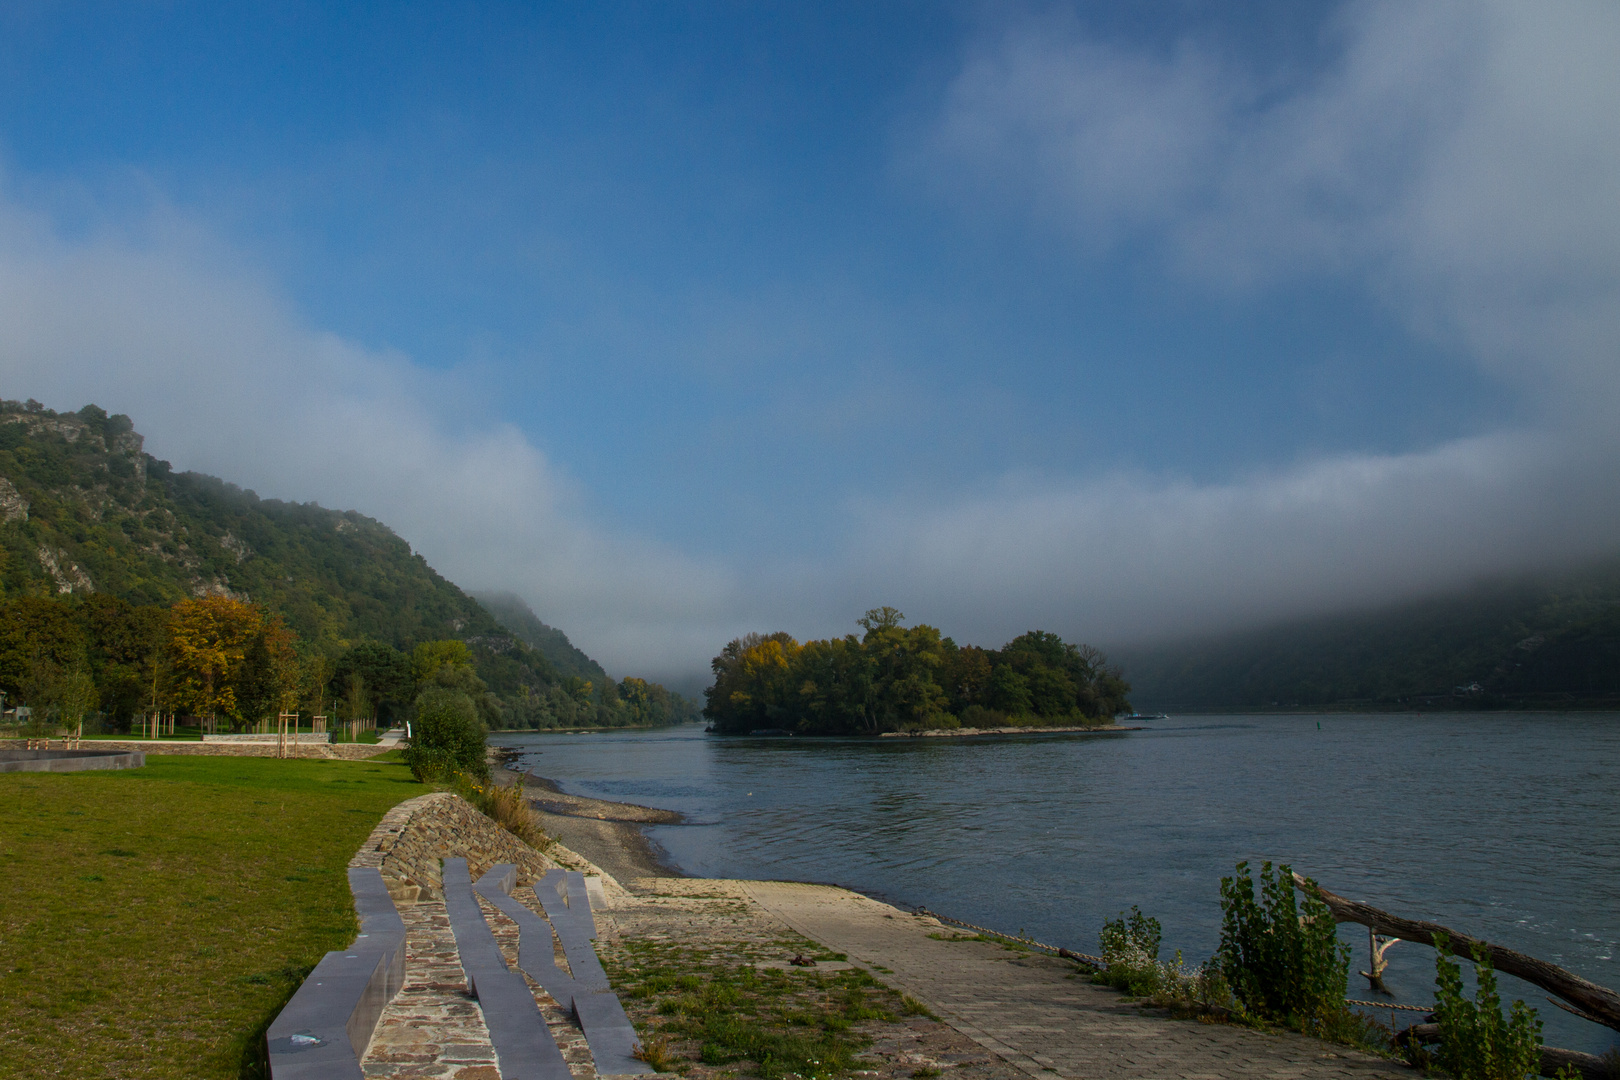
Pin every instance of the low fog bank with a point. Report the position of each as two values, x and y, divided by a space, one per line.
1547 640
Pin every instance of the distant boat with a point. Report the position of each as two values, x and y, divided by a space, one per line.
1148 716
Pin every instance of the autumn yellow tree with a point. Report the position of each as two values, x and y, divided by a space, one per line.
209 638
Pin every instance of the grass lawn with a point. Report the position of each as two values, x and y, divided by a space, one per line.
154 920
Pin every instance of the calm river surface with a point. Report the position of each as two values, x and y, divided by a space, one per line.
1506 826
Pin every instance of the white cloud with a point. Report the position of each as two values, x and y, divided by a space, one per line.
223 379
1460 161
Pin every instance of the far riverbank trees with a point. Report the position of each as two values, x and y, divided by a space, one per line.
104 661
894 678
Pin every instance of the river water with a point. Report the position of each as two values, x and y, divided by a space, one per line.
1506 826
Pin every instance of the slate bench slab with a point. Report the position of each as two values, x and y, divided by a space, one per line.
566 897
524 1048
324 1031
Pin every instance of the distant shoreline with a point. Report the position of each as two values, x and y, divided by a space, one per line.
962 733
583 730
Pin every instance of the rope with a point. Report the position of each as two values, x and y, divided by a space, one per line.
1067 954
1390 1005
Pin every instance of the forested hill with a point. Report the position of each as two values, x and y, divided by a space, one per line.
86 512
516 616
1534 642
84 509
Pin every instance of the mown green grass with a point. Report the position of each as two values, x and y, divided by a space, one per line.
154 920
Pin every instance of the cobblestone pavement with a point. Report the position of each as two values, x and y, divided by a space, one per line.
432 1028
1031 1009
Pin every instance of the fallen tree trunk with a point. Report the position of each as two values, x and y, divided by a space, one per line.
1552 1059
1598 1003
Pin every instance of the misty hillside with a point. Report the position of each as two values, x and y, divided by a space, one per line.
1534 642
519 620
85 510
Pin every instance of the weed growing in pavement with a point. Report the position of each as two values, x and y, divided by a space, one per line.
655 1052
912 1007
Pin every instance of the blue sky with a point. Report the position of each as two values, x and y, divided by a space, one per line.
685 320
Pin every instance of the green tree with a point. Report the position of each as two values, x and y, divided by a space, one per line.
446 736
75 696
428 657
267 684
835 687
386 673
964 675
1009 691
316 671
38 637
904 691
356 698
893 678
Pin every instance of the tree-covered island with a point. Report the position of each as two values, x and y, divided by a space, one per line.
892 678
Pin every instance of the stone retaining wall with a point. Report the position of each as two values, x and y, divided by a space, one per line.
306 738
408 843
337 751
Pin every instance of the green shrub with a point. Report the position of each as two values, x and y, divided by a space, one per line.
1282 963
1476 1041
446 736
507 806
1130 948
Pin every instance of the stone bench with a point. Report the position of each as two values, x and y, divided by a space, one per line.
566 897
324 1031
524 1048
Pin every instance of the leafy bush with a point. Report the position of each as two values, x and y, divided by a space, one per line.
1476 1041
1282 963
446 736
1130 949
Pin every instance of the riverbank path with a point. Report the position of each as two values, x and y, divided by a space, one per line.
1034 1012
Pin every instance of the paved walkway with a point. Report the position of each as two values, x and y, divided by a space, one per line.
1032 1010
